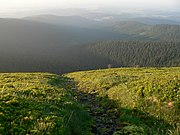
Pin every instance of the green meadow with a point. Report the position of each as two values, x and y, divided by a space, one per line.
39 103
122 101
148 99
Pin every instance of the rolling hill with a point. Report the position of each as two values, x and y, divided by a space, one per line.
147 98
76 21
143 31
32 33
157 20
62 44
142 53
132 28
93 56
40 103
35 46
112 101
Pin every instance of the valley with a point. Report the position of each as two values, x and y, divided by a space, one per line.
61 44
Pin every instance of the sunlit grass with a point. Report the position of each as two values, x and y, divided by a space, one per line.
148 97
39 103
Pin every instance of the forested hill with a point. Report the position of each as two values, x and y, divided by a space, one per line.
131 53
42 45
137 30
96 56
165 32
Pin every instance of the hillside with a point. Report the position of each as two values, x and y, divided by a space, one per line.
143 31
147 99
39 103
28 33
76 21
61 44
97 55
164 32
130 27
112 101
35 46
158 20
126 54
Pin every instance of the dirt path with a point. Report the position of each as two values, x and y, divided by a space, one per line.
103 111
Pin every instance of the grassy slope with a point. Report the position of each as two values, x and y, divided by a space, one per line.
42 103
149 98
39 103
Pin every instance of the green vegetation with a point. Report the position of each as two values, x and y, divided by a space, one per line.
148 98
39 103
142 53
94 56
164 32
139 101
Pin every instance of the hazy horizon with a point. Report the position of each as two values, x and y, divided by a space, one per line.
21 8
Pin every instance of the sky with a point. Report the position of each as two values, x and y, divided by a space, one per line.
10 8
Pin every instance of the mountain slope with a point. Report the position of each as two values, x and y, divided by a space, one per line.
142 53
94 56
34 46
30 33
164 32
114 101
148 99
130 27
65 20
40 103
137 30
156 20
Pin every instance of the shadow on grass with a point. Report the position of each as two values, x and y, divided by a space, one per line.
43 110
110 118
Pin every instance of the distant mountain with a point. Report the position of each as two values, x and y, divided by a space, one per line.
65 20
32 33
138 30
50 44
164 32
130 27
150 20
155 20
142 28
27 34
35 46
